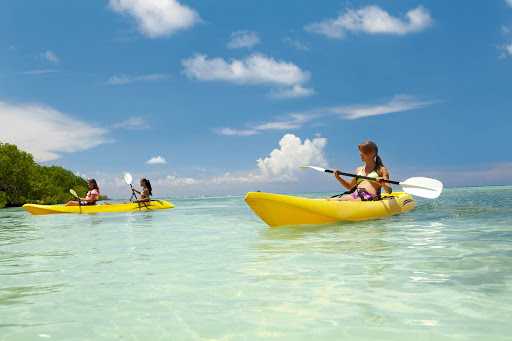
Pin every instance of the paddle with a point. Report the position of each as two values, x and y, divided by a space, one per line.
128 179
422 187
72 191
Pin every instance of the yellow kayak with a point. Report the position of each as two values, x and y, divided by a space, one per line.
278 210
50 209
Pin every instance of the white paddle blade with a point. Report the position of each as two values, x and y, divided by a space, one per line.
128 178
313 167
72 191
423 187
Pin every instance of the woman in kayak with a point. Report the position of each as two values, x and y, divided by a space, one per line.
144 194
146 190
92 196
366 190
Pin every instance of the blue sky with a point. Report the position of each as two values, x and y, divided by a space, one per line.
225 97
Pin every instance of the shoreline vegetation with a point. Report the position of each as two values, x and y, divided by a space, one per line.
23 181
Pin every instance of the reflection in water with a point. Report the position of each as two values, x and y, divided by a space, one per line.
338 237
25 294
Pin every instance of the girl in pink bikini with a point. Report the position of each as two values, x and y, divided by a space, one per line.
92 196
366 190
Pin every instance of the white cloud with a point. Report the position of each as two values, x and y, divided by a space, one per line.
133 123
156 160
242 39
50 56
292 121
284 162
509 2
125 79
255 69
297 44
234 132
508 48
295 91
373 20
44 131
398 103
157 18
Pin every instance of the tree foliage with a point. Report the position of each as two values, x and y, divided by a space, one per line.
24 181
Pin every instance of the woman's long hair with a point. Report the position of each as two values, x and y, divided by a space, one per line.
368 147
147 184
95 184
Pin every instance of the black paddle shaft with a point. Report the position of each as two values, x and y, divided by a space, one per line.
361 177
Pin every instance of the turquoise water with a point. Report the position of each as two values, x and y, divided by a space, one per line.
210 269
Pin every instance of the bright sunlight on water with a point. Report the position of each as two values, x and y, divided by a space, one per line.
210 269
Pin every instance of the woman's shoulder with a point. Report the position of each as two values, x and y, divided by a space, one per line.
383 171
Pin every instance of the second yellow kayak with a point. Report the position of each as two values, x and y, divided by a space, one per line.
50 209
279 210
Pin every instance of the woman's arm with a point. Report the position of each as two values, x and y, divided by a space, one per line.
385 176
346 184
144 195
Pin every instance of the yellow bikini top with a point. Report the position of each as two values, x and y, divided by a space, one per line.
371 175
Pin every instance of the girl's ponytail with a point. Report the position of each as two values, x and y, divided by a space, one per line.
378 163
148 185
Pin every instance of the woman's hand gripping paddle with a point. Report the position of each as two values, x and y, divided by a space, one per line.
422 187
72 191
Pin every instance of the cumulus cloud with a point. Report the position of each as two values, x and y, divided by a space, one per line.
125 79
156 160
284 162
372 20
399 103
50 56
255 69
44 131
241 39
157 18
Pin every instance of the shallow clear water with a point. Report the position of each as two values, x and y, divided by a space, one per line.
210 269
